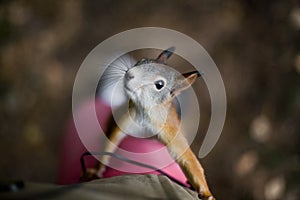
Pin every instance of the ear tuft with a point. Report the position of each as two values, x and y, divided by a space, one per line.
190 77
163 57
193 72
185 81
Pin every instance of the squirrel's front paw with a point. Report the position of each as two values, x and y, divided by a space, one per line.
89 175
203 197
206 196
93 173
201 187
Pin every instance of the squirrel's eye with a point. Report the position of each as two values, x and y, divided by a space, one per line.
159 84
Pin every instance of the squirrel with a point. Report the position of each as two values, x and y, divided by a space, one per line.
151 87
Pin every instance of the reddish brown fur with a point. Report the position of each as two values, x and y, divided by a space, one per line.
181 152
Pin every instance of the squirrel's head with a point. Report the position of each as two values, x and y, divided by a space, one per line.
151 82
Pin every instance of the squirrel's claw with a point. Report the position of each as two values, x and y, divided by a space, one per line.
206 195
202 197
89 175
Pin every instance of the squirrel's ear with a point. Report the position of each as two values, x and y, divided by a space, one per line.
163 57
184 82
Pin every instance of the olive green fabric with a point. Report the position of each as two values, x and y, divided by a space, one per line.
121 187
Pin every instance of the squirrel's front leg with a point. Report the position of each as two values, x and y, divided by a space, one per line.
181 152
114 138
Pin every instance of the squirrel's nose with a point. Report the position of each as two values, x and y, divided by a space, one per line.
129 76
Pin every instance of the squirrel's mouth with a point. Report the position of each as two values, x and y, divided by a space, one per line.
132 93
128 90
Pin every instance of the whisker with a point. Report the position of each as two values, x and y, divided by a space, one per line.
115 72
111 73
128 61
118 67
122 61
108 80
112 77
108 84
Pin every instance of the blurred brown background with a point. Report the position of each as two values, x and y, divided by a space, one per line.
255 44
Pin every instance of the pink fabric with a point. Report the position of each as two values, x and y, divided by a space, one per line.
72 149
